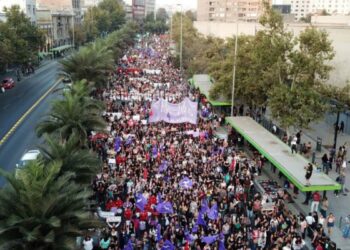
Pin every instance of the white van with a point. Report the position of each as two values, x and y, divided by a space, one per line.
30 155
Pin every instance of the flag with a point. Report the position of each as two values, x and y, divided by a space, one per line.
200 220
165 208
186 183
117 143
195 228
204 206
141 202
209 239
159 235
168 245
159 198
213 212
154 151
222 242
129 245
188 236
163 166
128 141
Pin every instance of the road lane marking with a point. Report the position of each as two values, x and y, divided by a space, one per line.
20 120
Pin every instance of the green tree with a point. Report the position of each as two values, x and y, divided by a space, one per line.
74 159
73 115
93 63
20 40
42 209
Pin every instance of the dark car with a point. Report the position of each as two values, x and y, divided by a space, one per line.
7 83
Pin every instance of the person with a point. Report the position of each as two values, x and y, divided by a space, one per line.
309 169
298 136
88 243
316 197
341 128
293 145
324 206
330 223
325 163
105 242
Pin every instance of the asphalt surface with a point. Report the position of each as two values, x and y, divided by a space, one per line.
14 103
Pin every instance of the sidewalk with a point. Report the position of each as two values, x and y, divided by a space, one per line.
339 206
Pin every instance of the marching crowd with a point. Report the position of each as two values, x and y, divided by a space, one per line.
178 186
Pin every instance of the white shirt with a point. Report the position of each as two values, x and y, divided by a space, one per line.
88 244
309 219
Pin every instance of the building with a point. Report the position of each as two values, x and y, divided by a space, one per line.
85 4
303 8
229 10
27 6
138 10
66 6
150 7
57 27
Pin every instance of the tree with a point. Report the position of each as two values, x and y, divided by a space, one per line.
93 63
74 159
162 15
42 209
20 40
73 115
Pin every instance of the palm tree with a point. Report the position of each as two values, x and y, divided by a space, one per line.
76 114
92 63
42 209
74 159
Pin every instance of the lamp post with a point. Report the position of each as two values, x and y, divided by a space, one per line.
234 66
181 38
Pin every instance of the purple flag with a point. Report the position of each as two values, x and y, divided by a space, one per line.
159 198
141 202
186 183
159 235
154 151
168 245
213 212
165 208
188 236
129 141
163 166
200 220
222 242
195 228
204 206
117 143
209 239
129 245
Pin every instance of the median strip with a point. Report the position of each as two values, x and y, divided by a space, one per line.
20 120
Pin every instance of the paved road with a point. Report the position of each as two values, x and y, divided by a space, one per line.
15 104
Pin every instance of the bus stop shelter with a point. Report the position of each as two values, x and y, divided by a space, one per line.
204 82
279 154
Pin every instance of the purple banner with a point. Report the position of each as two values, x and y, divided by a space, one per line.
185 111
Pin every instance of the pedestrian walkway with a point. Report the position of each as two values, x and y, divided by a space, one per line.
339 206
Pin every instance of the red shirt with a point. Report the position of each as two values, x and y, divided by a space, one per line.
143 216
316 196
152 200
109 205
128 214
118 203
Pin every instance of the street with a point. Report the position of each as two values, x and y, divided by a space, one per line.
14 103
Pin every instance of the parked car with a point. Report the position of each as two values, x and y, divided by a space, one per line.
30 155
7 83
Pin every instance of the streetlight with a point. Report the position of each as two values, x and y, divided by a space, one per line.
234 65
181 39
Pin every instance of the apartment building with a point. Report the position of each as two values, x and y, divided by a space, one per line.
27 6
229 10
301 8
150 6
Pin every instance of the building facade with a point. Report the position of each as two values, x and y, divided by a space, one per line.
138 10
27 6
150 7
229 10
302 8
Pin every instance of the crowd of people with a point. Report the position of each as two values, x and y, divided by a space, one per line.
178 186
